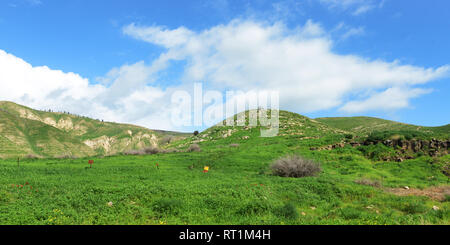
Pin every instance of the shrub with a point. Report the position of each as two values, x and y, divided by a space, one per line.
64 156
167 206
349 136
378 136
413 207
31 156
447 198
350 213
369 182
170 150
146 151
288 211
195 133
295 166
377 152
254 208
194 147
151 150
133 152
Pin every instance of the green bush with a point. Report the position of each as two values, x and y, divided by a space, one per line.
348 136
378 136
167 206
288 211
254 208
376 152
413 207
349 213
447 198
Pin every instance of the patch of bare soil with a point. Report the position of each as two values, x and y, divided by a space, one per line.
435 193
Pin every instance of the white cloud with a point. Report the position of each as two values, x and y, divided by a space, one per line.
159 35
240 55
390 99
344 31
40 86
31 3
363 9
125 96
356 7
299 63
353 32
34 2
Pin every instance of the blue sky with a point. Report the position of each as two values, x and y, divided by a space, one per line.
105 42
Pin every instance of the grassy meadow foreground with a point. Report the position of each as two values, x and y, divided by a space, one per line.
171 188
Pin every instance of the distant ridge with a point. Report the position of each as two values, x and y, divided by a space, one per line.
28 132
366 125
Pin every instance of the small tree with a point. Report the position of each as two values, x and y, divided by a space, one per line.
195 133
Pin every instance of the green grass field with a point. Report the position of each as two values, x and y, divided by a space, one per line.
238 189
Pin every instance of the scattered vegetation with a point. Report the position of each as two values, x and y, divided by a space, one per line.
377 152
167 206
369 182
238 188
447 198
32 156
66 156
378 136
146 151
151 150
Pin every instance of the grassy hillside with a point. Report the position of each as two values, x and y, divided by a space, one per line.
366 125
25 131
292 126
240 188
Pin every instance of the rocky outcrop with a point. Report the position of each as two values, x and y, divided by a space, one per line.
433 147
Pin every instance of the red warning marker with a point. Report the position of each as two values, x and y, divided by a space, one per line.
91 162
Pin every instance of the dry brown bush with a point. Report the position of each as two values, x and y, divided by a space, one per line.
194 147
295 166
170 150
133 152
166 140
151 150
369 182
31 156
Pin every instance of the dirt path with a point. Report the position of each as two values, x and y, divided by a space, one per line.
435 193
